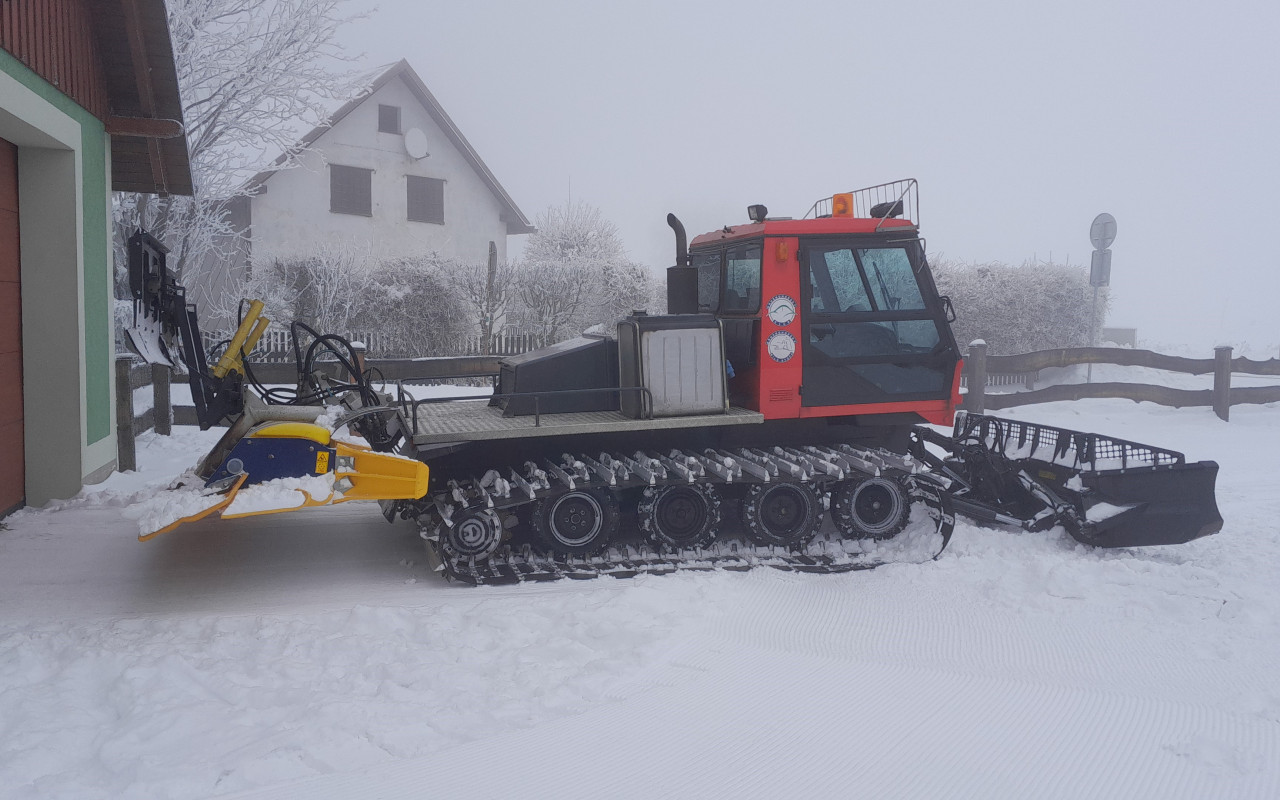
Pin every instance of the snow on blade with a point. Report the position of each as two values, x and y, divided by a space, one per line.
171 505
280 494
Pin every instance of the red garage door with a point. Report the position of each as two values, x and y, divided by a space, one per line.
12 466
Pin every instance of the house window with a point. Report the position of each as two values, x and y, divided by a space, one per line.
388 119
426 199
350 190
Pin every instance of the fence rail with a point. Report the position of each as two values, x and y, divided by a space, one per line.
980 367
980 372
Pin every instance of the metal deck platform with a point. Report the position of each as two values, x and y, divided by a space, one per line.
476 420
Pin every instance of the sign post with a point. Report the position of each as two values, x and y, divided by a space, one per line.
1101 233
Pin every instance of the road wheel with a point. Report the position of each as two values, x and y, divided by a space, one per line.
871 508
783 514
579 522
475 534
680 516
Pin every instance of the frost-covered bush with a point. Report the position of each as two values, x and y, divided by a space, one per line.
417 305
1019 309
412 305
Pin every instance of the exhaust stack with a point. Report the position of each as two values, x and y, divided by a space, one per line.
682 279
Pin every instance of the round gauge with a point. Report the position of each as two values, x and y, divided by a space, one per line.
780 345
782 309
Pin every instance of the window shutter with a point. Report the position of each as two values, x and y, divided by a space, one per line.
388 119
426 199
350 190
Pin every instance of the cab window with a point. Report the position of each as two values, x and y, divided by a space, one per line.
835 284
742 278
893 284
708 266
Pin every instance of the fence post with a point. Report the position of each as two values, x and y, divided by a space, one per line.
1222 382
977 365
126 454
360 349
161 405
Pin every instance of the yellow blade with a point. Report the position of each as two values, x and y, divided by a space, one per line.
380 476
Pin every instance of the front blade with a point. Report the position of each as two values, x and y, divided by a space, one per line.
148 341
1148 506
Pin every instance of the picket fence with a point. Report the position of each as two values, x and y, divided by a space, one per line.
275 347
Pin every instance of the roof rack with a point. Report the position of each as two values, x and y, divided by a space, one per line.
883 201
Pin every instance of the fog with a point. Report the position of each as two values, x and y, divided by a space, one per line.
1022 121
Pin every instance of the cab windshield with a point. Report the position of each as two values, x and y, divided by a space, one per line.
870 333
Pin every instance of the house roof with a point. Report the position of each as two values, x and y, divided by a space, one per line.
115 59
516 221
148 143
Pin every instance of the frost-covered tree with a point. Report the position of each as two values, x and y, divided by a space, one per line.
488 291
576 273
327 291
251 73
553 294
1019 309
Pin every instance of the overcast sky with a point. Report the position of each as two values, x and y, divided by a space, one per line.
1021 120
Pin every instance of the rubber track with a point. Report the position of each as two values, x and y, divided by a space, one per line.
814 466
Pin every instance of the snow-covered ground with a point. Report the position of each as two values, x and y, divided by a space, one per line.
315 655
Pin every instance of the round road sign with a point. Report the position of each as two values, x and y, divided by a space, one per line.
1103 231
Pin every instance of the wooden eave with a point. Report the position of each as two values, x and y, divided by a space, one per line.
148 145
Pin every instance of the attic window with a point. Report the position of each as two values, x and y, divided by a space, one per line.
388 119
426 199
350 190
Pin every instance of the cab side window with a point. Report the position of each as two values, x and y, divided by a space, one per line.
708 266
742 278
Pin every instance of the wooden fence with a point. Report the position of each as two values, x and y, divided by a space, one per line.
132 374
979 366
981 371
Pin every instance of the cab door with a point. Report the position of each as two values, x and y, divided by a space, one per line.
729 285
873 329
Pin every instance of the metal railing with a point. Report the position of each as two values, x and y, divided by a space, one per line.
882 201
410 406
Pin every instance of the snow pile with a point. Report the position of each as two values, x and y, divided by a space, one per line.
199 705
186 498
314 654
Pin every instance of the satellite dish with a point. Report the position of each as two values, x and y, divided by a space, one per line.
415 143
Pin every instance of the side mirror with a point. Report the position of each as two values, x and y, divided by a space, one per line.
948 310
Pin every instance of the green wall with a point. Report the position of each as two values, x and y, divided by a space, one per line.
98 334
99 340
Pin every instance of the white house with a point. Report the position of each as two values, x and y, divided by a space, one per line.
389 174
